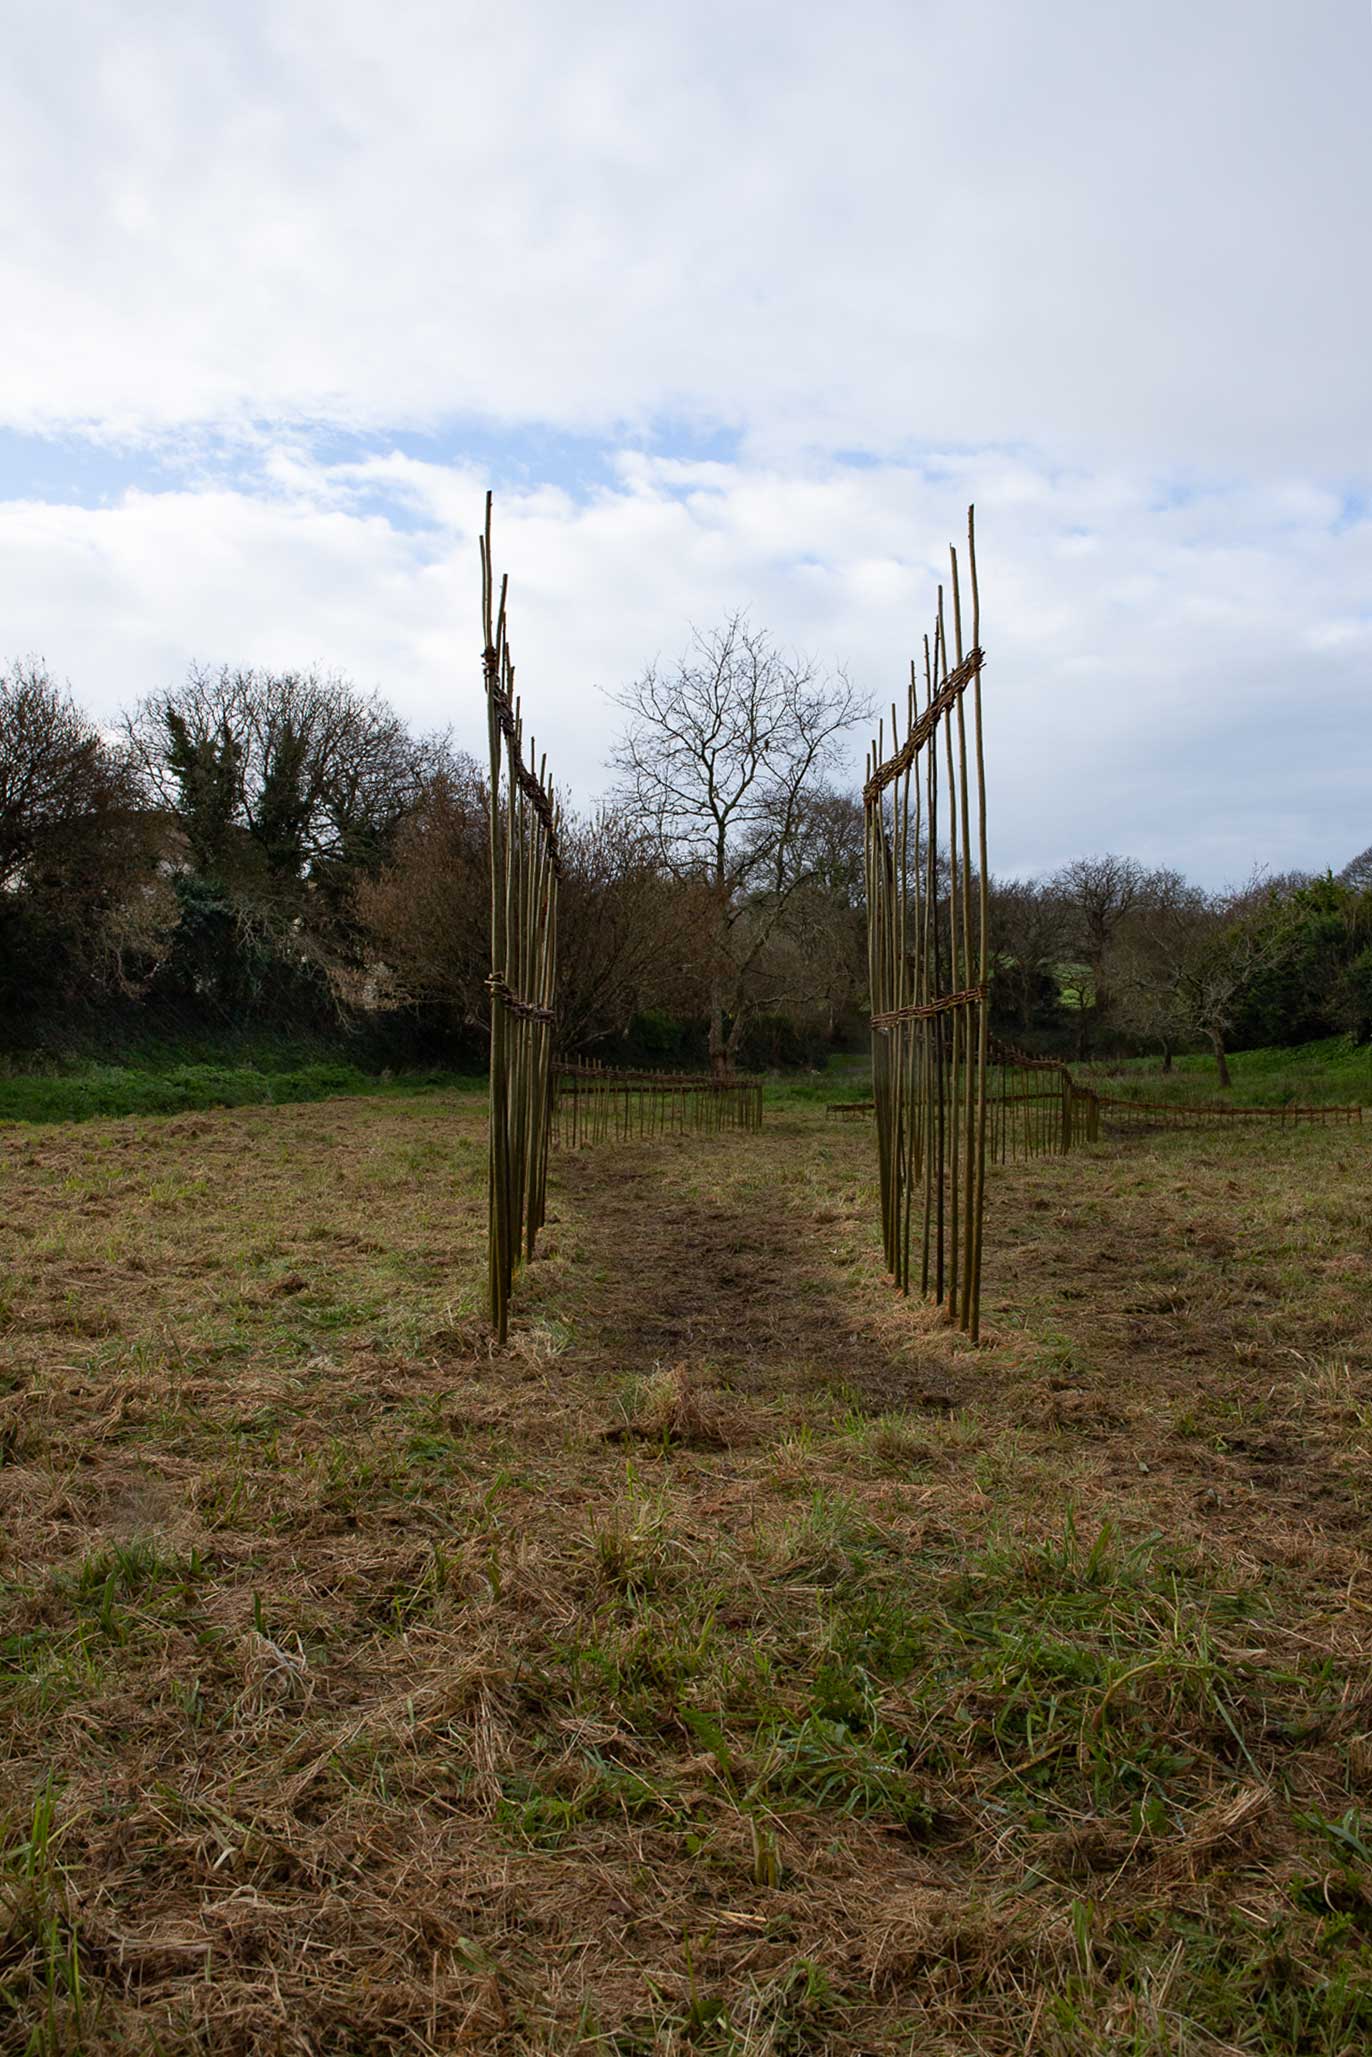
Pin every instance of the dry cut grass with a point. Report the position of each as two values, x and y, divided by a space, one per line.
738 1663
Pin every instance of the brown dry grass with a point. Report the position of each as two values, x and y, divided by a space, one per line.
738 1663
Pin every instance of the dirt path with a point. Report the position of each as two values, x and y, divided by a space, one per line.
1154 1359
736 1286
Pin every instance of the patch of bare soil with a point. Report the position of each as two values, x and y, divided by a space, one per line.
732 1284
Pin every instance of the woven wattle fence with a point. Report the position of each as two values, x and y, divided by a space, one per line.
1036 1107
525 868
1135 1116
927 947
597 1103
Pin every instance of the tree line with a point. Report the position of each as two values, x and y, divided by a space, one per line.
252 850
1110 956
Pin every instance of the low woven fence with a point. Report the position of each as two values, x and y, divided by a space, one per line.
596 1103
1120 1116
1035 1107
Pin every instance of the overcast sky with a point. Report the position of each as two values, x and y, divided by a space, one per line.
734 306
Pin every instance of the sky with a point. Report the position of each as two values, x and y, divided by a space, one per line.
733 306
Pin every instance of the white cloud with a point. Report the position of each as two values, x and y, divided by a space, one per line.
1205 708
1100 268
1132 233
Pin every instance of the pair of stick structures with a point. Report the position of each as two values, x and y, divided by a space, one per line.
927 945
525 868
597 1103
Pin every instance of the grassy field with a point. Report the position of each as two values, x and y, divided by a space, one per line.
167 1083
170 1082
1311 1075
738 1663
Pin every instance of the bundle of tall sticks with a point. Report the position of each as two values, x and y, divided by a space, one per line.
525 868
928 966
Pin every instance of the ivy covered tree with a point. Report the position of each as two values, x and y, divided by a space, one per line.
286 790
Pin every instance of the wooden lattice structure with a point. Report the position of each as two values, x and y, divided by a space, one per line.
1035 1107
598 1103
525 869
928 965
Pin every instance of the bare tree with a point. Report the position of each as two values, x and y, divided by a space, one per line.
1156 955
720 756
821 968
1194 961
627 935
1030 937
1252 934
60 784
1099 893
426 911
77 878
1357 873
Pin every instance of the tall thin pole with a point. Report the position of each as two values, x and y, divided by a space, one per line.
983 923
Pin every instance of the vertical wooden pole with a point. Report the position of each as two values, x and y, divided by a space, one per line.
983 925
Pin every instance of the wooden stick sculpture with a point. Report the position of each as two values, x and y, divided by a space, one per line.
525 869
928 966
